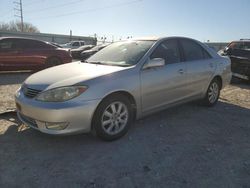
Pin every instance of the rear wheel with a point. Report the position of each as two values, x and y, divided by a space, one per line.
213 93
112 118
53 61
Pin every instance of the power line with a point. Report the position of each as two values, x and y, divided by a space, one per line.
20 10
56 6
91 10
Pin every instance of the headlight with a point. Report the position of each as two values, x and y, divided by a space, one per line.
61 94
17 94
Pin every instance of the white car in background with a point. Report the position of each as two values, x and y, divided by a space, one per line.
73 44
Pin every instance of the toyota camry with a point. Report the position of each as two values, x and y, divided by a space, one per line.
123 82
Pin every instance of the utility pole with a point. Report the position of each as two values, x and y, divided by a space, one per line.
70 35
20 10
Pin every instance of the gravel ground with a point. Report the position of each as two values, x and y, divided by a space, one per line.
186 146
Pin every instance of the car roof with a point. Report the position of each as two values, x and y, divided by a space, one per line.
242 40
25 38
155 38
77 41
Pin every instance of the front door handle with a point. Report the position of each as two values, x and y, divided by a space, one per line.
181 71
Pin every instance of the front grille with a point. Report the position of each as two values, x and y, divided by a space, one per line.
28 120
30 93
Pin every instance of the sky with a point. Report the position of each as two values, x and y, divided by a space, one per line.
213 20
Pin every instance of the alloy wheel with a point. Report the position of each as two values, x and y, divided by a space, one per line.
213 92
114 118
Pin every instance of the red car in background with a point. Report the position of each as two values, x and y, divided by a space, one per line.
30 54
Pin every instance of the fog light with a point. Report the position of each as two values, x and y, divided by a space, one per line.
56 126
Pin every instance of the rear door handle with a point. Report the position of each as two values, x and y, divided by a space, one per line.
181 71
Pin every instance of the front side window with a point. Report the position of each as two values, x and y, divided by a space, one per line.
126 53
75 44
193 51
168 51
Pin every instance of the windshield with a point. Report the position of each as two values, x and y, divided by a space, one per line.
126 53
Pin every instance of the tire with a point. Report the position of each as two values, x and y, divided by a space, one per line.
112 118
213 93
53 61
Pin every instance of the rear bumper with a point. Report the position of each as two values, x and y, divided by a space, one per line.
37 115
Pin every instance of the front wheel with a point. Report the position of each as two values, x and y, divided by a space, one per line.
112 118
213 93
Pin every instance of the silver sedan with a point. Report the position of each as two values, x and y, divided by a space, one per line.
123 82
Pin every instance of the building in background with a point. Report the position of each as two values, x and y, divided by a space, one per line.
60 39
217 46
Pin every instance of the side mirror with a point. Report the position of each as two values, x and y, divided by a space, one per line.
156 62
227 51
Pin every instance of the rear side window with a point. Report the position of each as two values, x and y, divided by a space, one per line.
6 44
30 44
82 43
167 50
193 51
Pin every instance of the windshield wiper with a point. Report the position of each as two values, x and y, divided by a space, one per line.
93 62
109 64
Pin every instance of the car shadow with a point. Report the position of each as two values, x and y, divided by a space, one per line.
192 111
187 139
10 78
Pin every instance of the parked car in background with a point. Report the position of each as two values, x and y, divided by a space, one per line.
87 53
76 53
73 44
30 54
239 53
125 81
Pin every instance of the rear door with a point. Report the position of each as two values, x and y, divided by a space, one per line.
8 55
164 85
200 66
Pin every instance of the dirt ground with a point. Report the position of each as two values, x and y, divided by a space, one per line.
186 146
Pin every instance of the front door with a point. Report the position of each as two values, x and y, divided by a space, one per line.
163 85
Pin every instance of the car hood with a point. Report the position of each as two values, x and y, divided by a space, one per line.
68 74
89 51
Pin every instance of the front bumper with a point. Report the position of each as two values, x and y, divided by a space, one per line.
77 114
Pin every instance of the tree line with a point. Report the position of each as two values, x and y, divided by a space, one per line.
17 27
